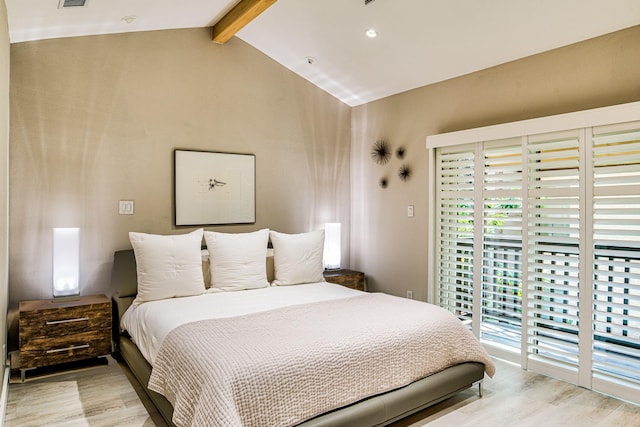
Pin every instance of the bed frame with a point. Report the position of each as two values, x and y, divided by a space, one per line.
378 410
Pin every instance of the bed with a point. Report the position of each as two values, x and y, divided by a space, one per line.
267 355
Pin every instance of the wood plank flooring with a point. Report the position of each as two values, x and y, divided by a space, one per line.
107 396
515 397
99 396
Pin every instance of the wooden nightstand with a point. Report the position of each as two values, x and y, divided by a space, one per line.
348 278
54 332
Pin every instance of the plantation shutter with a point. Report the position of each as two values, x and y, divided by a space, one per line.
538 240
502 243
616 256
553 252
456 170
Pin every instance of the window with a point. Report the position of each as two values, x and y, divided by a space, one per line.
537 245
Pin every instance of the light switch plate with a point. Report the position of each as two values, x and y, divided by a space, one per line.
125 207
410 211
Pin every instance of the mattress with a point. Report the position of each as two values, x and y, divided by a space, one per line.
148 324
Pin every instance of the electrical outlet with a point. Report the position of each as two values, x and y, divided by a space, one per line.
410 294
410 211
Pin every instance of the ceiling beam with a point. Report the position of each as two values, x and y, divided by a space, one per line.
241 14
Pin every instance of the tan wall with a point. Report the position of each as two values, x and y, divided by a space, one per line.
96 119
391 248
4 180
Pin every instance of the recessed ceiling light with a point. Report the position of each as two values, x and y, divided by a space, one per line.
371 33
129 19
310 60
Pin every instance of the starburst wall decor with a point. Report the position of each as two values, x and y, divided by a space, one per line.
405 172
381 153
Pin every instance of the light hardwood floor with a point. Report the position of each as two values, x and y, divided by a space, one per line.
105 396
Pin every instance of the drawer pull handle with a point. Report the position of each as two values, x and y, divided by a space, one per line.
56 322
73 347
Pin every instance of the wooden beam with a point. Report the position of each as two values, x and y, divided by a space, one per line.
241 14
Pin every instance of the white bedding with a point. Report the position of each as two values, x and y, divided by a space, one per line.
170 313
283 366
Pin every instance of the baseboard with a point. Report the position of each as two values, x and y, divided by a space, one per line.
3 396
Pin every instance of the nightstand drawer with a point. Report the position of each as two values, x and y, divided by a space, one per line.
64 321
54 350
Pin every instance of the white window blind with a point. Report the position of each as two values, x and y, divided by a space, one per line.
553 251
456 229
502 243
616 256
538 241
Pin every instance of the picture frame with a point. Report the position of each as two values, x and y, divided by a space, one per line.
214 188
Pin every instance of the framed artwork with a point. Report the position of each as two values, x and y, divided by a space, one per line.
212 188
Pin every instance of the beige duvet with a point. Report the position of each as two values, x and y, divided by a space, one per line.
284 366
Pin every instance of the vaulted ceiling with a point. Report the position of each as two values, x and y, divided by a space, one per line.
418 42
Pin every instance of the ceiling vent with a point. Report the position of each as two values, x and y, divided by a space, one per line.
72 3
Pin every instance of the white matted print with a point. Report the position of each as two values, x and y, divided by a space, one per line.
214 188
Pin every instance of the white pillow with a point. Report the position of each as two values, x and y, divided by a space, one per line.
168 266
297 257
237 261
